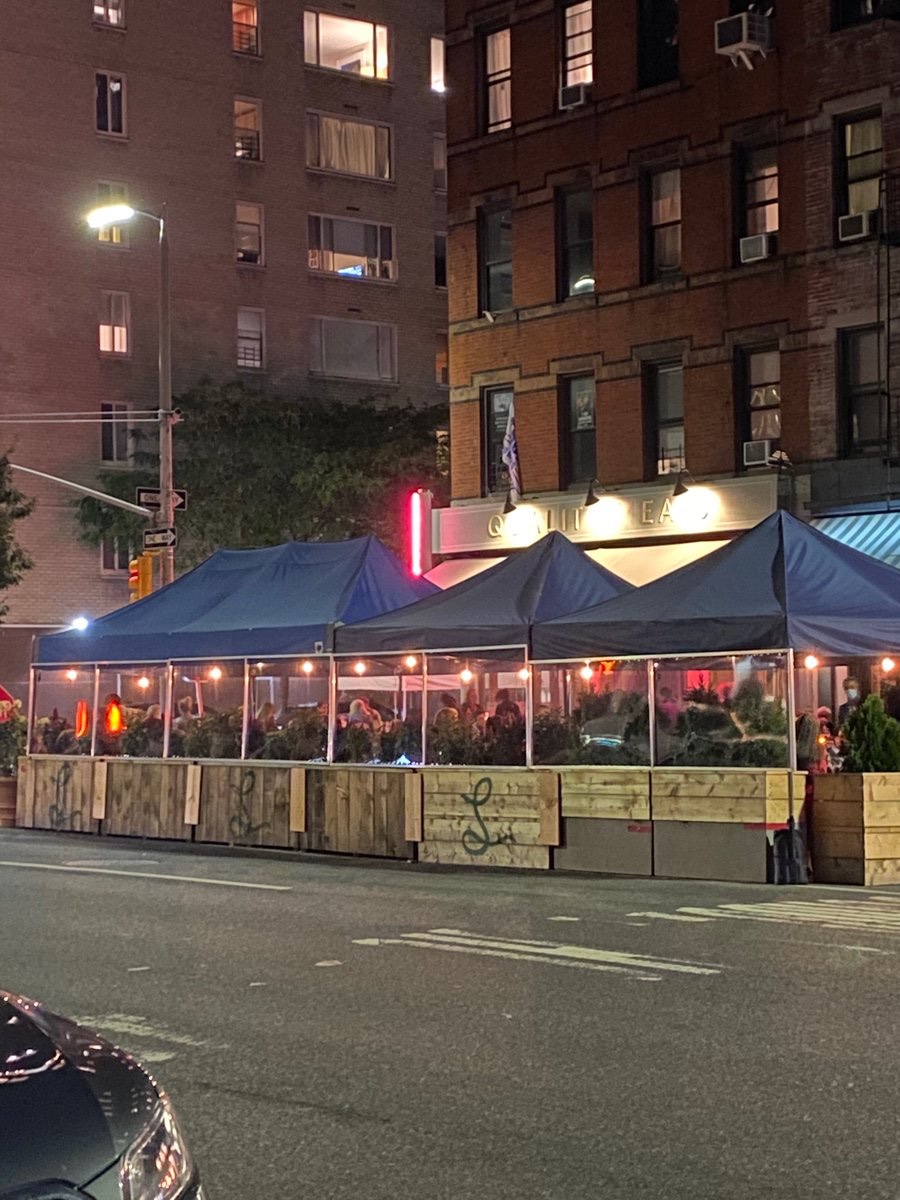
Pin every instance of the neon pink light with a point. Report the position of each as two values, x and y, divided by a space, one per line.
415 533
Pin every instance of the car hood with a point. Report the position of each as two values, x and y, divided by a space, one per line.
70 1102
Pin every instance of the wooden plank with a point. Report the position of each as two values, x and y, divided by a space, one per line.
881 871
452 781
384 792
884 843
549 808
193 784
98 803
297 820
28 769
413 799
460 806
359 812
781 803
667 781
736 810
531 857
450 829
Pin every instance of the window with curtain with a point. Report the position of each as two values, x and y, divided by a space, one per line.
112 193
762 409
247 130
579 425
575 254
346 44
664 383
110 12
437 64
110 103
761 191
495 259
248 231
863 394
440 162
665 223
861 163
349 147
350 248
353 349
578 45
497 81
245 26
114 323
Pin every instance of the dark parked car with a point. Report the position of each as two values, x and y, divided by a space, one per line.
80 1119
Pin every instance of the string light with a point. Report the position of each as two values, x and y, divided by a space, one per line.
887 665
586 673
359 668
410 661
143 683
810 662
215 674
466 675
307 668
524 674
71 675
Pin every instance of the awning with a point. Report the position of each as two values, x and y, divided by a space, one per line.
877 534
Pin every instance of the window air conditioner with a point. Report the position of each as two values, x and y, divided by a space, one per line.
745 34
757 454
854 226
757 247
572 95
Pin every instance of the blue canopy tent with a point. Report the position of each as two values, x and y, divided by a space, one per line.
273 602
494 609
782 585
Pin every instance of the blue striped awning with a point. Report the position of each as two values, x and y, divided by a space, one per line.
877 534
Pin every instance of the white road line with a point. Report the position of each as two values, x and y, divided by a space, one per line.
260 887
456 948
132 970
661 916
135 1026
564 918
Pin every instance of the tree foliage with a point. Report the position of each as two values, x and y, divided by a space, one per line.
261 469
871 738
14 562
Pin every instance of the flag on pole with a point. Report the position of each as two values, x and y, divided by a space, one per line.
510 452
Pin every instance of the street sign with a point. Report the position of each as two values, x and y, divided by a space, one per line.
151 497
160 539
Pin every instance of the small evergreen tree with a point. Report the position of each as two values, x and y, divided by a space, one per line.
871 738
14 562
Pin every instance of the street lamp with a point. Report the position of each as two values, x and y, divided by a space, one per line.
118 214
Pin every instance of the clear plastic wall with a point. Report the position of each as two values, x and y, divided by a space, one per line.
379 710
289 709
63 710
207 709
476 710
592 713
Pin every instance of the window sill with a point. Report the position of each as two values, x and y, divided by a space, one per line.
246 55
367 279
256 162
318 69
111 137
115 465
356 379
109 26
260 266
325 172
104 356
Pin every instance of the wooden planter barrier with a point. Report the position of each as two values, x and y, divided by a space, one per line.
710 824
7 803
58 793
856 828
245 804
606 820
144 798
358 810
490 817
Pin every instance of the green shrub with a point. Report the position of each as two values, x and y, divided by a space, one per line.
216 735
755 712
355 744
760 752
12 743
457 742
554 734
303 739
871 738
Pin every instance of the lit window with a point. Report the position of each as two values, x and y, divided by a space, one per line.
578 48
576 242
666 402
249 233
350 147
110 12
114 323
115 556
114 433
352 349
861 164
441 356
440 162
579 424
247 130
345 44
245 27
251 329
112 193
110 103
763 401
440 260
353 249
498 81
665 223
761 191
437 64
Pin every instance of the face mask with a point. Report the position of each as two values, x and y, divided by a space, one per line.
852 694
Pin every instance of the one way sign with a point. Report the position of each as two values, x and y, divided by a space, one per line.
160 539
151 497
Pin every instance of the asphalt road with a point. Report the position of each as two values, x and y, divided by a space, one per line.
376 1032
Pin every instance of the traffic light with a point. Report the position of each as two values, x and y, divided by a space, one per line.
140 576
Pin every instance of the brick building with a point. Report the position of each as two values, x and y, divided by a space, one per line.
300 151
671 262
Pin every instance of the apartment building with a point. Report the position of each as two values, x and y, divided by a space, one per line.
673 274
299 150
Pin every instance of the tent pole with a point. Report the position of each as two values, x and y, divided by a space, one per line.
424 706
96 714
32 709
529 715
245 722
168 704
332 707
651 708
792 731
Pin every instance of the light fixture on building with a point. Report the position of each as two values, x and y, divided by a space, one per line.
691 507
810 662
591 497
410 662
215 674
307 668
508 506
359 668
887 665
143 683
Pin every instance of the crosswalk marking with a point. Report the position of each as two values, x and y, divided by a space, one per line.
872 915
559 954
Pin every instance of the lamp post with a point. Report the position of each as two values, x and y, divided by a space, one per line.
118 214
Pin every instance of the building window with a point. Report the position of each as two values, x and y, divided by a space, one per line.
110 103
115 320
495 259
579 423
115 556
441 360
110 12
854 12
353 349
114 433
657 42
666 405
863 395
762 400
664 250
350 147
575 217
354 249
760 200
497 81
497 403
245 27
251 338
440 162
437 64
345 44
247 130
440 260
248 228
860 165
112 193
578 48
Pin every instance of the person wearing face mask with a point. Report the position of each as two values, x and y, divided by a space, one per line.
851 688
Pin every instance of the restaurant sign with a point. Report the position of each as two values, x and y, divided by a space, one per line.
642 514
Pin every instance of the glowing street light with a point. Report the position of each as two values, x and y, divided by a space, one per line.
110 214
